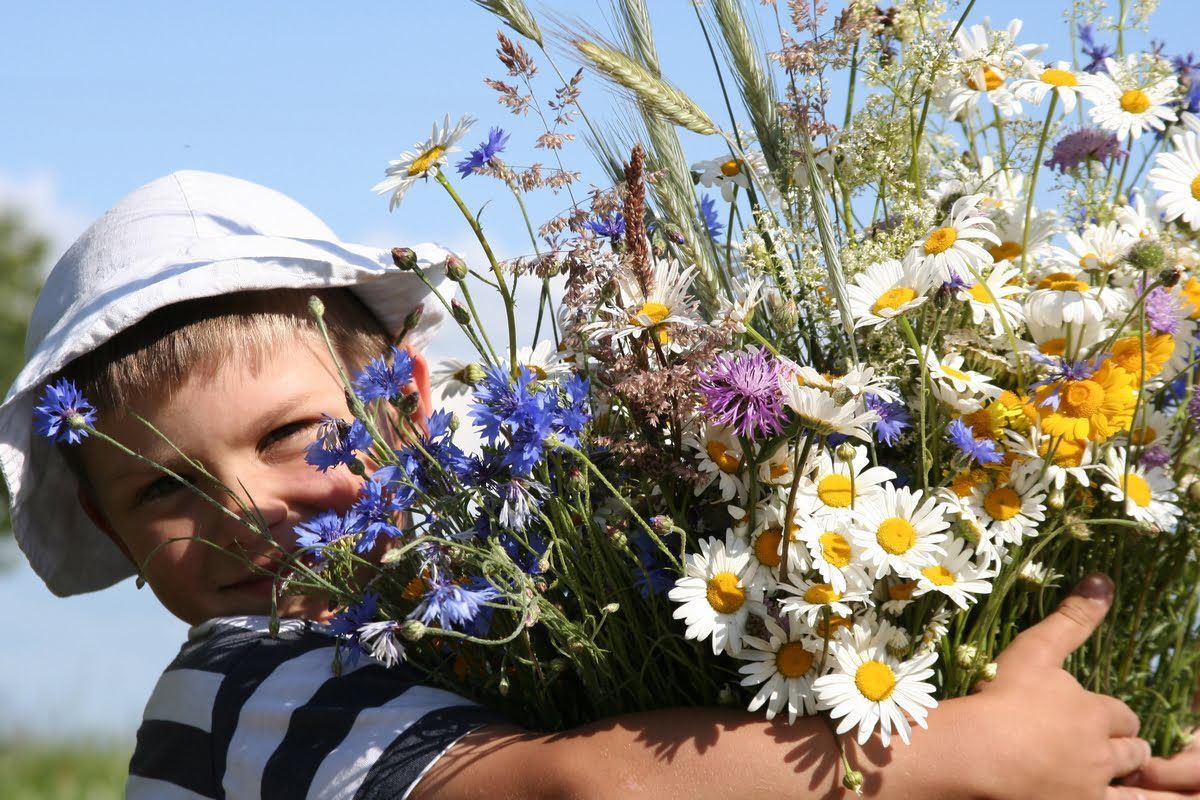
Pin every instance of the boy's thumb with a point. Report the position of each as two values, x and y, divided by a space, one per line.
1068 626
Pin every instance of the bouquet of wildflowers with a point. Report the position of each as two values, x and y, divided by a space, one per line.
826 442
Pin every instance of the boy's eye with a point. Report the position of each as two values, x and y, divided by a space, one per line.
160 487
285 432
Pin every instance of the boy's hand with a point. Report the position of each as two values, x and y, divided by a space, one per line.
1072 741
1174 778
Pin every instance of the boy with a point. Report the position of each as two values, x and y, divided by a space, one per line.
186 304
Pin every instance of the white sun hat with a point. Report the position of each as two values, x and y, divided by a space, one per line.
186 236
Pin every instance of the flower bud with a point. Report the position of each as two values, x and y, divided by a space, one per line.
408 403
611 608
412 630
726 697
455 422
853 781
460 313
471 374
404 257
1193 492
1056 500
965 655
1170 277
1079 530
662 524
845 452
988 673
1146 255
357 467
456 269
316 307
503 687
414 317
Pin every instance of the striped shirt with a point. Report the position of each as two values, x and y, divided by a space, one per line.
242 714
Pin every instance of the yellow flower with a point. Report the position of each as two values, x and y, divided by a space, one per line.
1009 410
1095 408
1127 354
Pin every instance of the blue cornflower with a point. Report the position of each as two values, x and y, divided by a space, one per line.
454 604
337 442
893 419
955 283
985 451
381 380
324 528
1191 100
708 211
518 499
1184 66
1096 52
63 412
498 401
379 501
482 156
526 555
348 624
576 414
611 226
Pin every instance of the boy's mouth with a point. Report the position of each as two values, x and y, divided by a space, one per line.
260 580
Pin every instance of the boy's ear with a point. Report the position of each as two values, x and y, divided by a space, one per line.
89 507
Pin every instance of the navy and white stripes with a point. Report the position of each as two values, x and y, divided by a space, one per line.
240 714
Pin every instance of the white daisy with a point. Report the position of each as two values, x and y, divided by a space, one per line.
832 551
810 599
1136 219
870 689
543 360
1151 426
818 412
1065 315
784 668
1128 103
987 55
884 291
899 594
900 531
1059 79
949 249
964 390
1010 230
426 158
728 172
1177 176
734 312
1011 509
719 457
1068 458
955 575
862 381
839 486
766 548
666 303
452 376
1099 248
716 595
992 299
1147 495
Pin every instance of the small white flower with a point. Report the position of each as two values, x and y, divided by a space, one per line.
955 575
900 532
716 595
426 158
786 667
884 291
951 249
1147 495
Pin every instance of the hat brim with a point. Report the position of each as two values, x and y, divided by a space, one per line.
63 545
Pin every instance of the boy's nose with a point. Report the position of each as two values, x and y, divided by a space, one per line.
280 497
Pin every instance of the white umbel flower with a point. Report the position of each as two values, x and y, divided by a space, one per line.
1177 176
870 689
953 248
784 668
900 532
1146 495
717 594
426 158
1128 104
956 575
884 291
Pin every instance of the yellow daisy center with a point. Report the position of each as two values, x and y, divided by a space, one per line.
940 240
836 490
426 160
902 591
939 575
965 482
724 594
792 660
991 80
1134 101
1081 398
835 549
1053 347
980 293
875 680
821 593
955 373
893 298
1196 187
778 470
1059 77
652 311
1005 251
731 168
766 547
896 535
1068 286
1137 489
1002 503
1054 277
726 460
836 621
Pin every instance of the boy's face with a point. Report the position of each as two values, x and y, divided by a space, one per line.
248 421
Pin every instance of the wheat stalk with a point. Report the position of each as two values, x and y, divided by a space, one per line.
639 34
652 92
516 16
758 93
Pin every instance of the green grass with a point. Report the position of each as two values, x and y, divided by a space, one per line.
62 771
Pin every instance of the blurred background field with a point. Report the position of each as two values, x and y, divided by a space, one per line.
57 770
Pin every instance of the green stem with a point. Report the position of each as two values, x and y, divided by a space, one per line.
1033 176
911 335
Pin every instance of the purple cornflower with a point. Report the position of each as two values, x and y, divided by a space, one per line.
893 419
1191 100
708 212
1160 311
985 451
348 625
1085 144
1184 67
337 442
63 413
324 528
379 501
454 604
1096 52
742 392
1193 407
482 156
611 226
1154 456
381 380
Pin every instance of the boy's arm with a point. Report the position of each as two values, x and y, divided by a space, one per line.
1034 732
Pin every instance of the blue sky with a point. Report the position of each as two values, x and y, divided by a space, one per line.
102 98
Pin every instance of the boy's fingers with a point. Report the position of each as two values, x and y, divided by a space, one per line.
1128 755
1122 722
1049 642
1180 773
